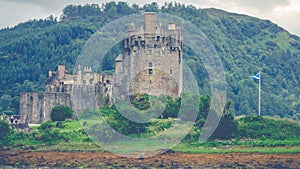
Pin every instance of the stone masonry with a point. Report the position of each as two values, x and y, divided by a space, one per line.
36 107
151 63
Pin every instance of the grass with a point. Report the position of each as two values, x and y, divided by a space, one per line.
71 146
239 149
78 141
151 146
70 125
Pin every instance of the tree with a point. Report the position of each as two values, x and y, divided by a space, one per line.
61 112
45 126
227 126
5 101
5 130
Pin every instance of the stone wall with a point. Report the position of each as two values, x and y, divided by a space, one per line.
36 107
151 61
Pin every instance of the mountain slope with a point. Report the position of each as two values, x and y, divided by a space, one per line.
245 44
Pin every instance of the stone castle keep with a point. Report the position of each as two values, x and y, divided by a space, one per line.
151 62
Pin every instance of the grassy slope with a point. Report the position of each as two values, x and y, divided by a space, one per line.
83 143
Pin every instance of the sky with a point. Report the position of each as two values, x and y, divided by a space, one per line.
285 13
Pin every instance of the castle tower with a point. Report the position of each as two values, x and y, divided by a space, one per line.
152 61
150 24
61 72
131 29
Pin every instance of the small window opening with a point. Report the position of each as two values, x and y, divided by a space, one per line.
150 71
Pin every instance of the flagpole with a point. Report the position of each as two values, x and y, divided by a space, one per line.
259 101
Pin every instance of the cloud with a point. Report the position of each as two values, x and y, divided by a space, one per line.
288 16
12 13
283 12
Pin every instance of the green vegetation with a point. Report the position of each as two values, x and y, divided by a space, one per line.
61 113
240 134
71 137
47 135
184 148
245 44
5 130
268 128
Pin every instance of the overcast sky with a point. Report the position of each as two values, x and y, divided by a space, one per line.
285 13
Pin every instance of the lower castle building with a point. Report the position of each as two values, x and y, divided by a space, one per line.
151 62
35 107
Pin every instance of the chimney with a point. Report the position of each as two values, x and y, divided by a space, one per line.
131 29
50 73
172 27
150 23
61 71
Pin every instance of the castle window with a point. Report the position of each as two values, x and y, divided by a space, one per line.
157 38
150 64
171 71
136 43
150 71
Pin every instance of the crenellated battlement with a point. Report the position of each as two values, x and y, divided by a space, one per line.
151 62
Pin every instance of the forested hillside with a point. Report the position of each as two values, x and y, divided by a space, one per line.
245 44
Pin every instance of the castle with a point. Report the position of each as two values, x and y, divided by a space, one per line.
151 62
35 107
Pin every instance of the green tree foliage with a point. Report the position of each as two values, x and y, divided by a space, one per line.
227 127
5 101
61 112
5 130
122 124
259 127
172 108
140 101
245 45
45 126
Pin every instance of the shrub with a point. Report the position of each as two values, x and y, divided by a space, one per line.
45 126
61 113
268 128
4 130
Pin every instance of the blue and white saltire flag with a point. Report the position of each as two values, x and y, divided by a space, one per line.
256 77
